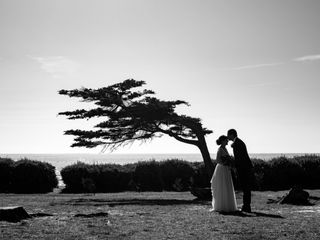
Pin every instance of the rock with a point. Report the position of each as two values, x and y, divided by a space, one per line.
202 193
13 214
296 196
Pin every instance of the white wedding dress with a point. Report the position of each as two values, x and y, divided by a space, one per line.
223 195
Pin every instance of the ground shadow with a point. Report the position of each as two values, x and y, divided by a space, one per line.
252 214
278 201
121 202
92 215
34 215
314 198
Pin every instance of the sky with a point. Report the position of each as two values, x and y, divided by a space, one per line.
249 65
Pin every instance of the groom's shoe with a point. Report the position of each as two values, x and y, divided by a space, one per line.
246 209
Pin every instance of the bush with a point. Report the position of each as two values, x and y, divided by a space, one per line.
30 176
310 164
6 168
74 175
200 178
81 177
260 170
176 175
111 178
280 173
147 176
284 173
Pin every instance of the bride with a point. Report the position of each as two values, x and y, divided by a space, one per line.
223 195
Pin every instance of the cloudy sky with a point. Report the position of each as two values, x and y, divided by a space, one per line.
249 65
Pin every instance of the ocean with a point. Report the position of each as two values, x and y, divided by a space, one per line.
62 160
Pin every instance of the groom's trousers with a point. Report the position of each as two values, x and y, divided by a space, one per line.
246 180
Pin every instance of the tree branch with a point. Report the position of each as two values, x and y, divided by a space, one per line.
177 137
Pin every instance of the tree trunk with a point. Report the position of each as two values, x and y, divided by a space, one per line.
205 155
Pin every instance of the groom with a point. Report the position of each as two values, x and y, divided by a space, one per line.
244 168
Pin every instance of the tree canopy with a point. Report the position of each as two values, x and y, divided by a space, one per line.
129 114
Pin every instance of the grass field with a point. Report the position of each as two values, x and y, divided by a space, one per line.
157 215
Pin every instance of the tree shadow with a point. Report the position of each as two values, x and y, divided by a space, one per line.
311 201
314 198
141 202
252 214
151 202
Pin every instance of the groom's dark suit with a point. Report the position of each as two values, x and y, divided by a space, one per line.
244 168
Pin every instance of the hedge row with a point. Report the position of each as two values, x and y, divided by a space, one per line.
170 175
177 175
279 173
282 173
26 176
81 177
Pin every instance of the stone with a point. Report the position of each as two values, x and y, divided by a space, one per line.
201 193
13 214
296 196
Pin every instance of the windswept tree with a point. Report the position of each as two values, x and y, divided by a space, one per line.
129 114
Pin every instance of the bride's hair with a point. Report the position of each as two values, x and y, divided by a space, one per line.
220 139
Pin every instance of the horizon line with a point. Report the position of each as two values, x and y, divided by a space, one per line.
1 154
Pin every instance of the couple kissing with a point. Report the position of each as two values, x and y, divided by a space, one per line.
223 194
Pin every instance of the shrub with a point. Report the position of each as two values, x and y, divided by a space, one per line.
6 168
311 166
260 170
33 177
147 176
284 173
73 176
176 175
81 177
111 178
200 177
